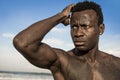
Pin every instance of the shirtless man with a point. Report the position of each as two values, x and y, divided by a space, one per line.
85 61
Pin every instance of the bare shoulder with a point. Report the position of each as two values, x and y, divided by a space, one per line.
104 54
59 51
62 55
61 60
110 58
70 52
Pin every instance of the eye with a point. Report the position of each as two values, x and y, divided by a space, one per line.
74 27
84 26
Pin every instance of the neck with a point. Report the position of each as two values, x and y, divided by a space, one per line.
87 55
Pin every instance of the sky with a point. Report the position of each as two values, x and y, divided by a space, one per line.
16 15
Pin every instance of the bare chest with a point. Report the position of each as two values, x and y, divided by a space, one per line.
82 70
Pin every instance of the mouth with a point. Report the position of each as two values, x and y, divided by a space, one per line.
79 43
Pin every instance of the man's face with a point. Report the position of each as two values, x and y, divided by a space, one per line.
85 30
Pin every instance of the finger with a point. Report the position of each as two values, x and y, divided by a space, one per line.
71 6
66 21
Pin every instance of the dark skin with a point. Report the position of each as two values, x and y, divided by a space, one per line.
84 62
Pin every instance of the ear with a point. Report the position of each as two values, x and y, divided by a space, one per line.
101 29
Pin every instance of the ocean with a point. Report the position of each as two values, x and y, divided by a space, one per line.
4 75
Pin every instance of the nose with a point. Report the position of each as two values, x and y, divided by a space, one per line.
79 33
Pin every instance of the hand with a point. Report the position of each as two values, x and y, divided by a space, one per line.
66 11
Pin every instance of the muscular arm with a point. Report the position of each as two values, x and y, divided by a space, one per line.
28 42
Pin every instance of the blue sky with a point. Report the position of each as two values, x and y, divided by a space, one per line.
17 15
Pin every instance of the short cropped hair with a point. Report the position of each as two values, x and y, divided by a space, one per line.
81 6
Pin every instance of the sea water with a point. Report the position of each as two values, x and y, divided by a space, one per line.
24 76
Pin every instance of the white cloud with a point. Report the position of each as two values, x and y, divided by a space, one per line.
58 43
12 60
111 44
53 41
110 41
8 35
114 51
60 29
117 36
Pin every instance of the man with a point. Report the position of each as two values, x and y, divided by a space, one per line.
85 61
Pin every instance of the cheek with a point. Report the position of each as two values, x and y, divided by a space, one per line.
93 37
92 41
93 33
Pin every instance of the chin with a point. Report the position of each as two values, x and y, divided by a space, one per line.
82 48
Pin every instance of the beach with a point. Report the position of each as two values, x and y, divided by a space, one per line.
4 75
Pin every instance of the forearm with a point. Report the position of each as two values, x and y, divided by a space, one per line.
37 31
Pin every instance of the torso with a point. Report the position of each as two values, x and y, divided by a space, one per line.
105 67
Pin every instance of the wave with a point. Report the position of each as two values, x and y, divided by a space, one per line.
4 75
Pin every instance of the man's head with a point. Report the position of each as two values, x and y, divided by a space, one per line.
81 6
86 25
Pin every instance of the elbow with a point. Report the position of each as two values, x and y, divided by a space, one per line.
23 46
18 43
15 42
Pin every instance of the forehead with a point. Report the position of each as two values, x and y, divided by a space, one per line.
86 15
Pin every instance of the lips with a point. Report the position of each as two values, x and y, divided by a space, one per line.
79 43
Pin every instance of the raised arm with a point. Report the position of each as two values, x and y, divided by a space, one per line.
28 42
